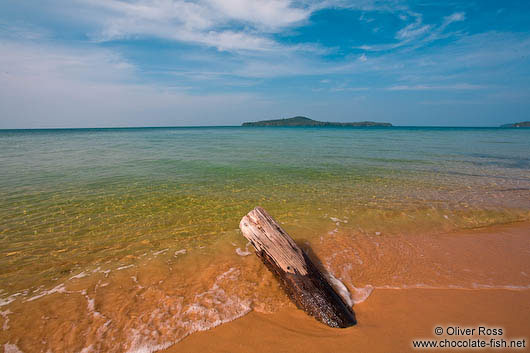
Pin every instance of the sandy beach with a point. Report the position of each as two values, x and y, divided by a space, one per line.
388 322
390 319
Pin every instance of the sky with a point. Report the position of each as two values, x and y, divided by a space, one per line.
110 63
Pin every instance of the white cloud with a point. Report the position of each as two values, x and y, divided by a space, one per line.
207 22
265 14
229 40
455 17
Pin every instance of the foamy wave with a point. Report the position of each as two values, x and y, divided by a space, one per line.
153 327
210 308
9 300
361 294
138 347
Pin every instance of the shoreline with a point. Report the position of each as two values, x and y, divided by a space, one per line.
382 315
380 325
210 304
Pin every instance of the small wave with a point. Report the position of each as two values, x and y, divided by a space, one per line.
361 294
156 253
79 275
509 287
246 252
124 267
180 252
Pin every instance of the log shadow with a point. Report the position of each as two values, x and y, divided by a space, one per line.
312 256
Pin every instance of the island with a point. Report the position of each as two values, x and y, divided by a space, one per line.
521 124
303 121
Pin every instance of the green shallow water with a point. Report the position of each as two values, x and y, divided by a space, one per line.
72 199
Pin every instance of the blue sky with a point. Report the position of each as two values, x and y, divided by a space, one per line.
96 63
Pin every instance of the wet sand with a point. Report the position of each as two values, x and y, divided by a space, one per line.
392 316
387 322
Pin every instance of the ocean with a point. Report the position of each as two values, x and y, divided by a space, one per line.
127 239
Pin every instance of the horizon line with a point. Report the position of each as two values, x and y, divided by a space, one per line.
232 126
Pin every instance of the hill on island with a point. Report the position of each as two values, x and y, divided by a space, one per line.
303 121
521 124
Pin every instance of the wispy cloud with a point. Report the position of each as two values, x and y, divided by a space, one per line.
416 33
413 30
455 17
30 62
22 31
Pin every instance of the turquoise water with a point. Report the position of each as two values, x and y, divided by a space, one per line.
80 204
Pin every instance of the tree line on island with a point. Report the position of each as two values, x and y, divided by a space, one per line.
304 121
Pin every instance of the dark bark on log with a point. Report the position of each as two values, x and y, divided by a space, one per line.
298 276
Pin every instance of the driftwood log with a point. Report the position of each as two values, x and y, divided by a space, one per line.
298 276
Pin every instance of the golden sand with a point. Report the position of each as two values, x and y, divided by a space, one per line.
387 322
395 315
